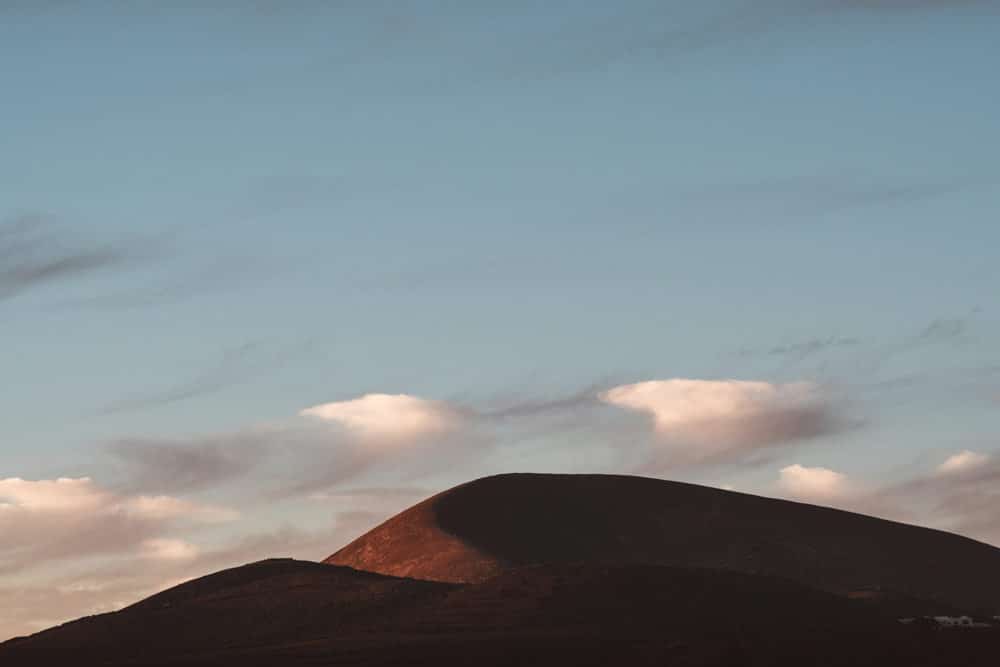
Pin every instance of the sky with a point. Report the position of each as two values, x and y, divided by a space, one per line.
273 271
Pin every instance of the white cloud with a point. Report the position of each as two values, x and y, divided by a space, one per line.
67 518
814 483
81 495
962 462
52 495
169 507
161 548
387 417
33 601
722 418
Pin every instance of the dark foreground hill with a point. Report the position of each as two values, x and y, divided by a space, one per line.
285 612
571 570
479 529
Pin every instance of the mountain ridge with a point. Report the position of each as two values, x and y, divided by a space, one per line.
476 530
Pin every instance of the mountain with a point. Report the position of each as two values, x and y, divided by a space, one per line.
480 529
272 603
286 612
569 570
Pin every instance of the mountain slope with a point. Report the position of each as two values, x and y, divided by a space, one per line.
284 612
477 530
272 602
575 570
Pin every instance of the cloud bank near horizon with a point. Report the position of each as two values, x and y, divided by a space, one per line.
664 424
331 454
960 494
74 518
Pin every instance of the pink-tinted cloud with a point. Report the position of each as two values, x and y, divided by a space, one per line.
725 420
814 484
71 518
961 494
389 418
963 461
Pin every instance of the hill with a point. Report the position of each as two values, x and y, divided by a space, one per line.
297 613
571 570
480 529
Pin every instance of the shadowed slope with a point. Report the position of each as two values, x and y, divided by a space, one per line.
475 530
294 613
272 602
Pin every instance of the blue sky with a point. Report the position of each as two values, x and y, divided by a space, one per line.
483 204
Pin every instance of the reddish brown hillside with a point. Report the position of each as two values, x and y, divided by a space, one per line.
478 529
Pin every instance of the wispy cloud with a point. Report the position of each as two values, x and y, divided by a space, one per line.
238 365
801 350
814 196
941 331
673 33
172 466
33 253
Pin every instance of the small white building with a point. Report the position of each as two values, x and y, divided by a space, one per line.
954 621
959 622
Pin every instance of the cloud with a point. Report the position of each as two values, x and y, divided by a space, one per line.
390 418
940 331
407 437
238 365
526 408
165 508
901 5
60 494
671 33
713 421
299 453
28 605
69 518
802 349
819 194
33 253
963 461
943 330
164 465
813 483
961 494
162 548
324 446
370 496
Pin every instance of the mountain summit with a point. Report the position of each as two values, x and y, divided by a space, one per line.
479 529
